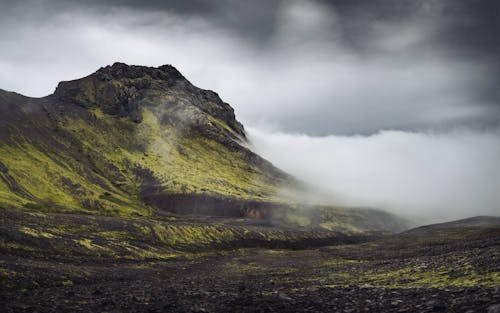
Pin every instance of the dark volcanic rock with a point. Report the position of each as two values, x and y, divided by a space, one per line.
121 90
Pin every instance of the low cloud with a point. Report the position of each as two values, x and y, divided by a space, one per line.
432 175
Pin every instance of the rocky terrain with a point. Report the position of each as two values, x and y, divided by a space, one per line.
445 268
131 190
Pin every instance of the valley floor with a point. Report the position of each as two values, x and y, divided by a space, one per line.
448 269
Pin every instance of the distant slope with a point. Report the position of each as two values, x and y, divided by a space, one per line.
471 222
469 225
469 233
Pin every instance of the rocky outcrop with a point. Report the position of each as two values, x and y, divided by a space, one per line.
122 90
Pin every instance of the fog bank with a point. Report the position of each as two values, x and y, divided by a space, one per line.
438 175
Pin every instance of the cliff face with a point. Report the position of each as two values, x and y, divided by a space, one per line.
128 139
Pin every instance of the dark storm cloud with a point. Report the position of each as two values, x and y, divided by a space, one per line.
252 19
469 29
471 26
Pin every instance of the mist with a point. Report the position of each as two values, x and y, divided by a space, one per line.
425 175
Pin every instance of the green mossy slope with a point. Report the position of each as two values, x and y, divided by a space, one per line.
106 143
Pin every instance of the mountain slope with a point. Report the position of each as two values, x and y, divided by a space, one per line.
126 137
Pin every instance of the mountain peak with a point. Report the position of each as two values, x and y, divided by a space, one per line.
128 137
118 89
122 71
123 90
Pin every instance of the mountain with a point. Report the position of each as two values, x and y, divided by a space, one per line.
126 138
133 141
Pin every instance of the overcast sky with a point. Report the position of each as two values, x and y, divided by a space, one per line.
388 96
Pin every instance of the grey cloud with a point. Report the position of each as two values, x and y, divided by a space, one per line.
316 67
